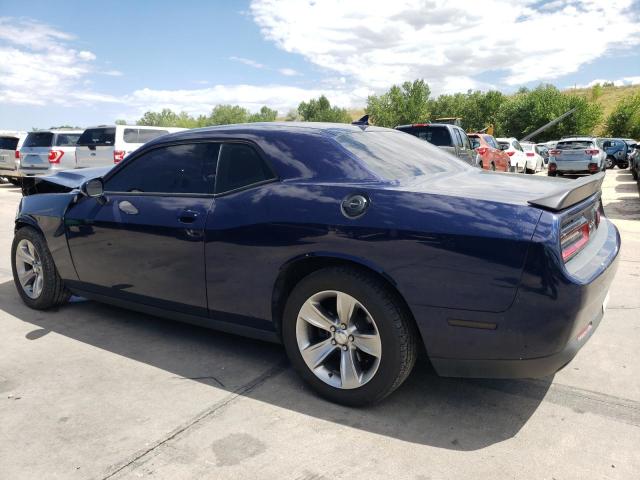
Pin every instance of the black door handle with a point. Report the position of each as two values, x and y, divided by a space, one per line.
188 216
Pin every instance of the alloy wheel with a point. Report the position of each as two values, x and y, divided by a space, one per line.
338 339
29 269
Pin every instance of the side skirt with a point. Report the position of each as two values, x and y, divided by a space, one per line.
227 327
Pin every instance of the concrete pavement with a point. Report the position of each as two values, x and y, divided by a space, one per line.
92 391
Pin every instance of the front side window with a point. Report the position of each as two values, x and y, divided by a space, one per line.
39 139
240 166
174 169
517 146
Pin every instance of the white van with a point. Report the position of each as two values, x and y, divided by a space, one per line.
10 144
108 144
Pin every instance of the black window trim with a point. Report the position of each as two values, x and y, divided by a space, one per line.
137 154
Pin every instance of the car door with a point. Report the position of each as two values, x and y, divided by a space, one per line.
236 233
463 145
144 240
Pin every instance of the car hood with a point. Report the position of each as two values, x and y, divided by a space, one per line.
519 189
63 181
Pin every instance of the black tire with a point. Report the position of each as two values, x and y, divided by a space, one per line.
493 167
610 163
15 181
397 331
634 174
623 166
54 292
551 174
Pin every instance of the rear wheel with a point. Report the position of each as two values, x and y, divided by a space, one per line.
15 181
634 174
493 167
34 272
349 336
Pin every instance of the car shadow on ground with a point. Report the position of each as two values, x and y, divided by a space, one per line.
626 208
456 414
9 187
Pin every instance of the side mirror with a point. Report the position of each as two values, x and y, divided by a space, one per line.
93 188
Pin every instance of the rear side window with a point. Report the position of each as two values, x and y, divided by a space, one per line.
174 169
457 138
475 141
240 166
491 141
39 139
98 137
141 135
8 143
67 139
517 146
465 140
438 136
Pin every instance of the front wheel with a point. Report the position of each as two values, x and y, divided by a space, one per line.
34 272
349 336
609 162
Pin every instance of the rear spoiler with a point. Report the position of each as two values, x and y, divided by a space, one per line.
570 193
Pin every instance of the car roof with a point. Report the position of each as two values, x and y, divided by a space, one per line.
582 139
427 124
327 129
56 130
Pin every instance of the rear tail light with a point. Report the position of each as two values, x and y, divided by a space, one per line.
55 156
482 150
574 238
510 153
529 154
593 167
118 156
17 155
592 151
555 152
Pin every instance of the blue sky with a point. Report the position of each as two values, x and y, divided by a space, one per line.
85 63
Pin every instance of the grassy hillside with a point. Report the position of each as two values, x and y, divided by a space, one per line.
608 97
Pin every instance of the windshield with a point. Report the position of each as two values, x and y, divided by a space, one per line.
98 137
67 139
39 139
395 156
8 143
574 145
436 135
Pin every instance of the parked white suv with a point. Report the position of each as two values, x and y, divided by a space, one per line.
45 151
10 144
535 161
517 156
108 144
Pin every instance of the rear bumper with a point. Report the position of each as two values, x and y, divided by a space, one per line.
518 368
554 314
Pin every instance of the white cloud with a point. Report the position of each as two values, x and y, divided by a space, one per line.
38 66
620 82
112 73
197 101
289 72
379 43
247 61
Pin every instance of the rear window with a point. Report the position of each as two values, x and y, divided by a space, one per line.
141 135
527 147
39 139
574 145
8 143
97 137
504 145
67 139
435 135
394 156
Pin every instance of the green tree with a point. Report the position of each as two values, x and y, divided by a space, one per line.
529 110
476 109
264 115
227 114
624 121
121 122
407 103
320 110
167 118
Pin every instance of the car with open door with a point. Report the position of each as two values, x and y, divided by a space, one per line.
354 246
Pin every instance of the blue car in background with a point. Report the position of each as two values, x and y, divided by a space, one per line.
617 152
357 247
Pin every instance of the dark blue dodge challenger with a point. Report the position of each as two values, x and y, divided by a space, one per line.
354 246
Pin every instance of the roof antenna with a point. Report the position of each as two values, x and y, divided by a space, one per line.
362 123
